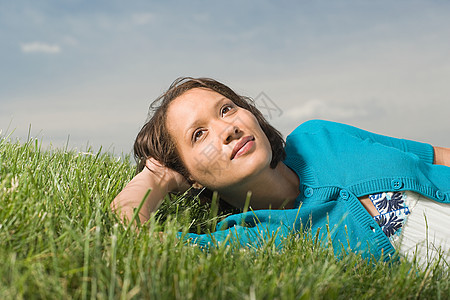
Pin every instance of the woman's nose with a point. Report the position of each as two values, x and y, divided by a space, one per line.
231 132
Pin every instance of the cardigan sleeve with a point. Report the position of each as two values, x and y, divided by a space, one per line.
245 230
423 150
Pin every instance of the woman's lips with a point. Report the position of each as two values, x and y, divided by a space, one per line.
242 146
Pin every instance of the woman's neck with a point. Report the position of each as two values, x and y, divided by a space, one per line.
272 188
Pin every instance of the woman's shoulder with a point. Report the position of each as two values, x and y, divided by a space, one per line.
317 125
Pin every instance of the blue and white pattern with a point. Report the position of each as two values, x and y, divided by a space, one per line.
393 211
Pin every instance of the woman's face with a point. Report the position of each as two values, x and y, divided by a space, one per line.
220 143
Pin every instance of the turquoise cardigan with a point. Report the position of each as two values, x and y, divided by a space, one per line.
336 164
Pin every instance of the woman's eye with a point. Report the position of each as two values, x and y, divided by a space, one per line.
226 109
197 135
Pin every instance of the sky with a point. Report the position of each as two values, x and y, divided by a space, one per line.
83 73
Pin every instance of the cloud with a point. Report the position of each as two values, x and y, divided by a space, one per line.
202 18
340 111
69 40
39 47
143 18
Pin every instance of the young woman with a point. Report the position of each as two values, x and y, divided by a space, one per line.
368 193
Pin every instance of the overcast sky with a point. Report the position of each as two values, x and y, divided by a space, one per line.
89 69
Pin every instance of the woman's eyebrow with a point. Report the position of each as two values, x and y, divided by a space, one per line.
196 122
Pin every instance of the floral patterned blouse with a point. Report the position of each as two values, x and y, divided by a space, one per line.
393 209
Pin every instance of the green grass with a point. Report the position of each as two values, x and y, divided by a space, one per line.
60 240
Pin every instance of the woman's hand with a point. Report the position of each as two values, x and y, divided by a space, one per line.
442 156
155 177
174 181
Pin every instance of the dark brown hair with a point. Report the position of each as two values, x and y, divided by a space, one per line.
153 140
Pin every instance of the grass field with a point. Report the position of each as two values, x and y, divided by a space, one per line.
59 240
